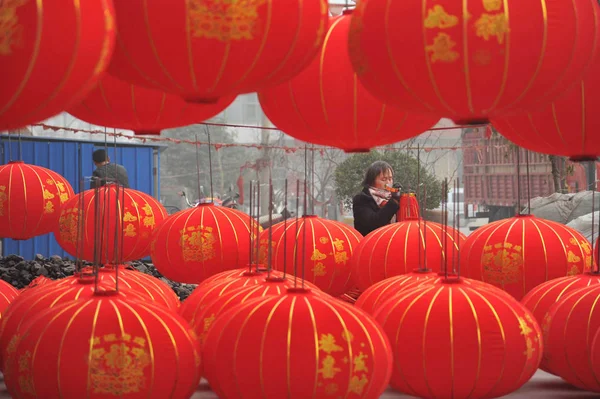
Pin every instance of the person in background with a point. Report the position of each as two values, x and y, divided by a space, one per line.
374 206
107 172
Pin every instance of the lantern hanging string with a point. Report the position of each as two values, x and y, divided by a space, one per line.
296 234
270 234
517 150
426 267
251 228
593 228
456 232
256 225
445 227
418 192
197 148
528 182
210 174
285 218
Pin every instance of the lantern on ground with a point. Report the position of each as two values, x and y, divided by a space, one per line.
326 104
52 53
7 294
399 248
207 50
199 242
317 249
108 236
105 345
520 253
30 200
472 64
331 349
119 104
476 342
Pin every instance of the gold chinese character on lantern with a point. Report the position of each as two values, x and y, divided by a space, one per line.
3 198
11 31
328 369
128 217
437 17
68 225
197 243
48 207
47 194
502 263
327 344
441 49
357 385
130 231
319 269
149 221
317 255
492 25
492 5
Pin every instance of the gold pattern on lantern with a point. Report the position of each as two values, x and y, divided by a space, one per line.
67 225
328 369
573 271
149 221
357 385
130 231
25 378
49 207
530 335
47 194
11 31
492 5
492 25
208 322
109 27
147 209
3 198
197 243
322 24
117 364
224 20
128 217
339 255
319 270
441 49
572 258
438 18
502 263
324 240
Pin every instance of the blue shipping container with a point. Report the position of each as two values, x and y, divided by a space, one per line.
73 160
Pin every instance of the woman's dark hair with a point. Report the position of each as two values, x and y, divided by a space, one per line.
376 168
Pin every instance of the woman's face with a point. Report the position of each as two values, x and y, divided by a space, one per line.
385 178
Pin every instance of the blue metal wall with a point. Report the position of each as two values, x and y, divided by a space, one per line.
73 160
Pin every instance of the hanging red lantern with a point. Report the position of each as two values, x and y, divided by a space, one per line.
567 127
472 63
409 207
316 249
520 253
326 104
118 239
569 329
52 54
199 242
399 248
7 294
105 345
204 50
329 348
30 200
476 342
119 104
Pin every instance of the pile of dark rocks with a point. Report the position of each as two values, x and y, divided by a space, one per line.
20 272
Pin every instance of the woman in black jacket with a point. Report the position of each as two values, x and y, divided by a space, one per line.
375 206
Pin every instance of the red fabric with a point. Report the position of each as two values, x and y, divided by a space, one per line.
52 55
395 249
199 242
409 207
141 215
471 66
119 104
7 294
30 200
318 249
325 104
456 340
570 329
540 299
519 253
566 127
203 50
105 346
297 346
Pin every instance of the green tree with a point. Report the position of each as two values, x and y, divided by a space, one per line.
350 174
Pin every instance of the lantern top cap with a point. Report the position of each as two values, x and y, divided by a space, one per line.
310 216
13 162
274 279
452 280
348 12
529 216
251 273
205 204
298 291
422 271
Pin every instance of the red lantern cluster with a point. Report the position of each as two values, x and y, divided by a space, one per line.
472 63
519 253
326 104
204 50
109 237
52 54
119 104
400 248
316 249
328 348
476 342
30 200
105 345
199 242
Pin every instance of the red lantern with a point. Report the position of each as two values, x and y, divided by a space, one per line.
119 104
522 252
30 200
199 242
569 329
105 346
475 63
318 249
299 345
566 127
237 273
326 104
204 50
7 294
399 248
130 240
454 340
409 207
375 295
52 54
38 281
